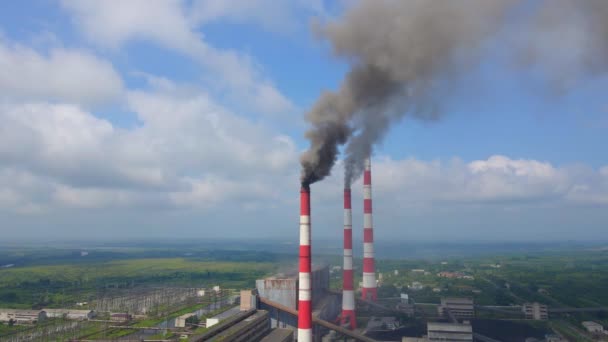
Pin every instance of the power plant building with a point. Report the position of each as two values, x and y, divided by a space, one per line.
22 316
535 311
457 307
449 332
70 314
283 288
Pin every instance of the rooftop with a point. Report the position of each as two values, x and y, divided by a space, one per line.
278 335
435 326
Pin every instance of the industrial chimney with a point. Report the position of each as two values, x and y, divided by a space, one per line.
369 273
304 291
348 294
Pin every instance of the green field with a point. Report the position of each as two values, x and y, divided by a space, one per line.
569 279
60 285
61 277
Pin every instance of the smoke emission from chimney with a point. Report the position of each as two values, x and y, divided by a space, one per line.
405 54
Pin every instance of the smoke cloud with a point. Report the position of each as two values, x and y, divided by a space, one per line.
405 54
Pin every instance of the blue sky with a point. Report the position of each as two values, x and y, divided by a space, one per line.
188 115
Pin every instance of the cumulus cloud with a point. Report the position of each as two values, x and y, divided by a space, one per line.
67 75
187 151
496 180
112 24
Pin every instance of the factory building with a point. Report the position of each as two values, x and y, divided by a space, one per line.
80 315
593 327
454 307
535 311
248 300
449 332
246 326
180 321
283 288
22 316
279 335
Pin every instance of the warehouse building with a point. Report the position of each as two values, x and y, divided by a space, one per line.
449 332
80 315
283 288
457 307
593 327
22 316
535 311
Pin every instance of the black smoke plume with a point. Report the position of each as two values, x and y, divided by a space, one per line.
403 53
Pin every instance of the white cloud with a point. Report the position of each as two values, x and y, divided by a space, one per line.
61 75
497 180
112 24
187 152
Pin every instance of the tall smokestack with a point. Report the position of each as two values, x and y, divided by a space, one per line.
369 269
304 291
348 294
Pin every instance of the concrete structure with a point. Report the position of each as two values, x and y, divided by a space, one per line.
457 307
22 316
383 323
449 332
368 292
280 288
406 305
209 322
348 293
320 325
70 314
304 288
248 300
245 326
283 289
180 322
593 327
416 286
279 335
535 311
455 275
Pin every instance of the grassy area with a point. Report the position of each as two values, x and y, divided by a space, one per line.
63 285
566 279
154 321
137 268
6 329
568 331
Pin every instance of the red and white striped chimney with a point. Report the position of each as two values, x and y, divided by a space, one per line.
304 291
369 270
348 294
